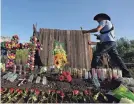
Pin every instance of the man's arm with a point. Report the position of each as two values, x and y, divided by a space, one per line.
93 30
101 25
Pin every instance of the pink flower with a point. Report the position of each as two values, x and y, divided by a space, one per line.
58 92
1 90
61 78
87 92
68 73
64 73
11 90
75 92
26 90
37 92
69 78
62 95
19 92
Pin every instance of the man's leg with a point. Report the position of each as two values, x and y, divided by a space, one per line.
117 59
96 56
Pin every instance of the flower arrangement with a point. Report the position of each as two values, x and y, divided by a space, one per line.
49 96
65 76
60 57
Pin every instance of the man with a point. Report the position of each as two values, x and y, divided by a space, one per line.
108 44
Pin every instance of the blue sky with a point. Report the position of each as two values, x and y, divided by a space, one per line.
18 16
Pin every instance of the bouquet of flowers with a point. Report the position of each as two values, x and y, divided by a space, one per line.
60 57
65 76
15 37
34 95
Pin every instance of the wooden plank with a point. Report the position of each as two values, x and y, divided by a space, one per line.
43 35
78 50
82 48
86 51
84 55
73 55
41 42
46 45
90 52
71 48
75 49
50 49
68 48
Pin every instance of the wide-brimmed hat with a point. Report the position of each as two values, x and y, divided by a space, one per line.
102 15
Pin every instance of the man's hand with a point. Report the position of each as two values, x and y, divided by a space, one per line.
85 31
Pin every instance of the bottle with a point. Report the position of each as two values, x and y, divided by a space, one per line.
44 81
96 81
31 78
38 79
20 72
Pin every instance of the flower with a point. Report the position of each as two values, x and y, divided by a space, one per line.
58 92
62 95
37 92
87 92
68 73
69 78
75 92
11 90
61 78
1 90
64 73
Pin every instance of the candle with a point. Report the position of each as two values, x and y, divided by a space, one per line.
86 75
83 72
75 72
89 75
102 75
119 73
105 73
99 73
44 81
110 74
114 73
80 73
93 71
20 72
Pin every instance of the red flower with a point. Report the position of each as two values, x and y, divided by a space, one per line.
11 90
1 90
62 95
69 78
64 73
68 73
20 92
75 92
61 78
87 92
37 92
49 91
26 90
58 92
17 89
32 90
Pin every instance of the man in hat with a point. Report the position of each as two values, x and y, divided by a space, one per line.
108 44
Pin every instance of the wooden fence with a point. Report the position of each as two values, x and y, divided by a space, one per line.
76 45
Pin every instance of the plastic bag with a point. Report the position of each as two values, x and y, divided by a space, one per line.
123 92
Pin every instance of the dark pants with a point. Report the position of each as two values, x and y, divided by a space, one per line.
110 48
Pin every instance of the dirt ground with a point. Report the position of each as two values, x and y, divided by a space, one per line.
53 83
